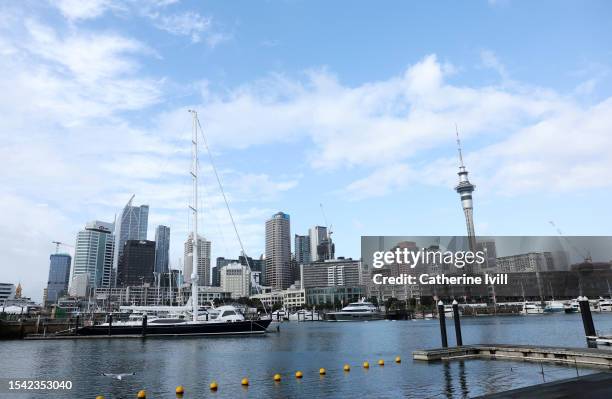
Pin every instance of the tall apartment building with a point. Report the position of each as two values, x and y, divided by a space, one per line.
137 263
203 262
278 251
93 254
132 224
302 249
59 277
236 279
162 249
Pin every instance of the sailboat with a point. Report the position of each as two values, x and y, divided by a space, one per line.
222 320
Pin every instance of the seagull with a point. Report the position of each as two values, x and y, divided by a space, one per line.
118 376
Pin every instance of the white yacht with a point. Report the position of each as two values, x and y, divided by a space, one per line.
554 306
530 308
605 305
357 311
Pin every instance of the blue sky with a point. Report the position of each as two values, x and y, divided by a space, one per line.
349 104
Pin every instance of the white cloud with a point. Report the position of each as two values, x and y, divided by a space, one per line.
83 9
188 23
385 126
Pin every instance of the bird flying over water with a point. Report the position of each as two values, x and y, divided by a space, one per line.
118 376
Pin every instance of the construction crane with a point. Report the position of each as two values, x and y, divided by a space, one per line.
58 243
329 232
585 255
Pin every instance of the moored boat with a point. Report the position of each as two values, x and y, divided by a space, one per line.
357 311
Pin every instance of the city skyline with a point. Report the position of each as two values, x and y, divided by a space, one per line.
296 115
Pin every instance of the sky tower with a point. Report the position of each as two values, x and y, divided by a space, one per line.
465 188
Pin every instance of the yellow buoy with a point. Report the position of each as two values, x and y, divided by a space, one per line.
398 359
298 374
277 377
99 397
179 390
322 371
214 386
381 362
141 394
366 365
244 382
347 367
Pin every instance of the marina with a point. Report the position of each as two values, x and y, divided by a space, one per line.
308 347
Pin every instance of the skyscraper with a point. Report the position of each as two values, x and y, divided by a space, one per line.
59 276
465 189
162 248
321 246
302 249
216 270
131 224
278 251
137 263
203 264
93 254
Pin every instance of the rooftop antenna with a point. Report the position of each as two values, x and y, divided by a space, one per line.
462 166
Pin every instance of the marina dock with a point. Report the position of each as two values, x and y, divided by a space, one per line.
586 357
598 386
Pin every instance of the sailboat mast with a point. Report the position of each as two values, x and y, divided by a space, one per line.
194 214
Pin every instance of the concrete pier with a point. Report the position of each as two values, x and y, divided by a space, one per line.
593 386
587 357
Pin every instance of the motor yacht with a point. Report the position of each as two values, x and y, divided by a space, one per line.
357 311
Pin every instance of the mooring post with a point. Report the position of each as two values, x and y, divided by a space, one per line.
587 317
76 324
457 323
110 324
144 325
442 318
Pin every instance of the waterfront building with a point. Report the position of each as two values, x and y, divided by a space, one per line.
143 295
137 263
93 254
291 298
302 249
203 260
339 272
132 224
465 189
162 249
318 296
236 279
59 277
7 291
268 297
278 251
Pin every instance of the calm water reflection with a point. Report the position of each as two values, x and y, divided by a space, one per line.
161 364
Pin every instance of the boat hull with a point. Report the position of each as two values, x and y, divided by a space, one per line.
339 316
229 328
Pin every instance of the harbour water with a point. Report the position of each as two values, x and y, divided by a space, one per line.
161 364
